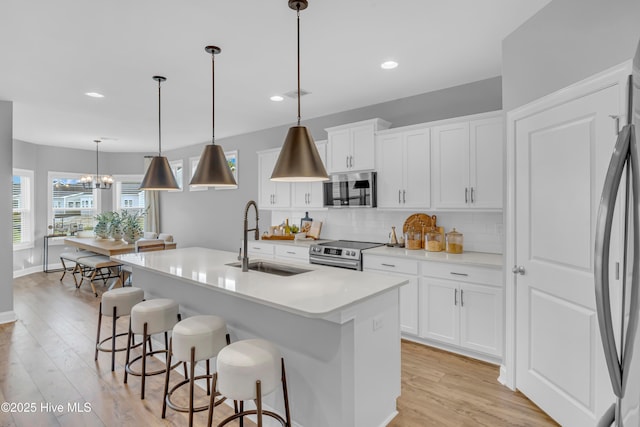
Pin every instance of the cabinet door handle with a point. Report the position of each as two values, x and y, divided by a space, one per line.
455 297
275 198
256 248
388 265
404 196
617 271
291 252
347 160
466 194
399 191
472 201
458 274
350 161
461 298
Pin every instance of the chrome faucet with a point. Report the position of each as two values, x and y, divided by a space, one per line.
245 258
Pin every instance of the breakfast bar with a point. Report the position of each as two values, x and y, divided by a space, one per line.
338 329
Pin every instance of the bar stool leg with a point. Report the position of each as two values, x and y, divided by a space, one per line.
259 402
285 394
144 359
214 383
98 334
113 340
129 337
166 379
192 384
208 374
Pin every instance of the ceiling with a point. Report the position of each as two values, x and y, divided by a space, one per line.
53 52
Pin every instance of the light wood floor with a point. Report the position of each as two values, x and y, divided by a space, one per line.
47 356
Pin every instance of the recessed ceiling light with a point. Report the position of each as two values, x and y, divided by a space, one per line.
389 65
94 94
276 98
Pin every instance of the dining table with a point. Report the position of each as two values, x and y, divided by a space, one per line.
106 247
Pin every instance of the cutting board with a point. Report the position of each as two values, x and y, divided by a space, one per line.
418 221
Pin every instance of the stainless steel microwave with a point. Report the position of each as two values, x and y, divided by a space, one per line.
351 190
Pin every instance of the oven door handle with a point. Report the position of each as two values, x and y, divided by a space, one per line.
333 262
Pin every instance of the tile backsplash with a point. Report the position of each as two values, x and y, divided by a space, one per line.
483 231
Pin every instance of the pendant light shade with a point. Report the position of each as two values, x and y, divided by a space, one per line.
159 175
213 169
299 159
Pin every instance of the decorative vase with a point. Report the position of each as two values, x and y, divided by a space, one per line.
116 233
131 236
101 230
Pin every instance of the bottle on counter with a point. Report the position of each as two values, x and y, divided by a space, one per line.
287 229
454 242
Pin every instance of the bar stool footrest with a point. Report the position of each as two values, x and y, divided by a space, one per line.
175 407
109 350
252 412
130 371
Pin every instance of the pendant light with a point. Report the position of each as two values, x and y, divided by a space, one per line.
90 182
213 168
299 159
159 175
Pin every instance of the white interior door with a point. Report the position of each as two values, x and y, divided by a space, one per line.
562 155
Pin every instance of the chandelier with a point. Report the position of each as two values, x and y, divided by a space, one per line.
104 182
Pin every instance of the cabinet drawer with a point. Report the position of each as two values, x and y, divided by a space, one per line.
463 273
260 249
395 265
298 252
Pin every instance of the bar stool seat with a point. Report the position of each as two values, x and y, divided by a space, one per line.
247 370
147 318
194 339
116 303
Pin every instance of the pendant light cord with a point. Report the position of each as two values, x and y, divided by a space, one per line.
159 123
298 21
97 170
213 99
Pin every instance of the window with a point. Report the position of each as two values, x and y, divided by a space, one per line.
176 167
71 207
22 204
127 194
194 165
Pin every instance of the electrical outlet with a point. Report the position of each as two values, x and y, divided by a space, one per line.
377 323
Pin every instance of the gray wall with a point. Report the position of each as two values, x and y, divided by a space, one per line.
6 148
213 218
42 159
567 41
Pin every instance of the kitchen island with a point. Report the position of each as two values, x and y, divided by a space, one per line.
338 329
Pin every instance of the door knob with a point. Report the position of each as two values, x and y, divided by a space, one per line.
518 269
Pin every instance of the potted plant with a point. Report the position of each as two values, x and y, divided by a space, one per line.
115 226
131 225
101 229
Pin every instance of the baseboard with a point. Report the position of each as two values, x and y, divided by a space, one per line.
31 270
389 419
8 317
453 349
502 378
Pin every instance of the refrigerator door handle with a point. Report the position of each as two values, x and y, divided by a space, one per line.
601 260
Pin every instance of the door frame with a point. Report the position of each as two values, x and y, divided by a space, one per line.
616 75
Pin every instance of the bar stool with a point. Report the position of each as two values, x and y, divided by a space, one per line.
116 303
148 318
247 370
192 340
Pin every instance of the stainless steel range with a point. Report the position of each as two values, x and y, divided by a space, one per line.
340 253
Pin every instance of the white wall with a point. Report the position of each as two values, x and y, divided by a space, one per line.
566 41
6 271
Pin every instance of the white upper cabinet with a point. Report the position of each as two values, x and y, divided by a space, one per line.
467 162
271 194
403 159
350 147
309 194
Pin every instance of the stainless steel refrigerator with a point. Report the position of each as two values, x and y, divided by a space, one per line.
618 307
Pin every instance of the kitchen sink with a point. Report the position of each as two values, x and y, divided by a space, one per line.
271 268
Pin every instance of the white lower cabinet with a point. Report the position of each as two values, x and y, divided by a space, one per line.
457 312
258 249
292 253
408 293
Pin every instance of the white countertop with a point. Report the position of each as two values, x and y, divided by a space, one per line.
317 293
470 258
